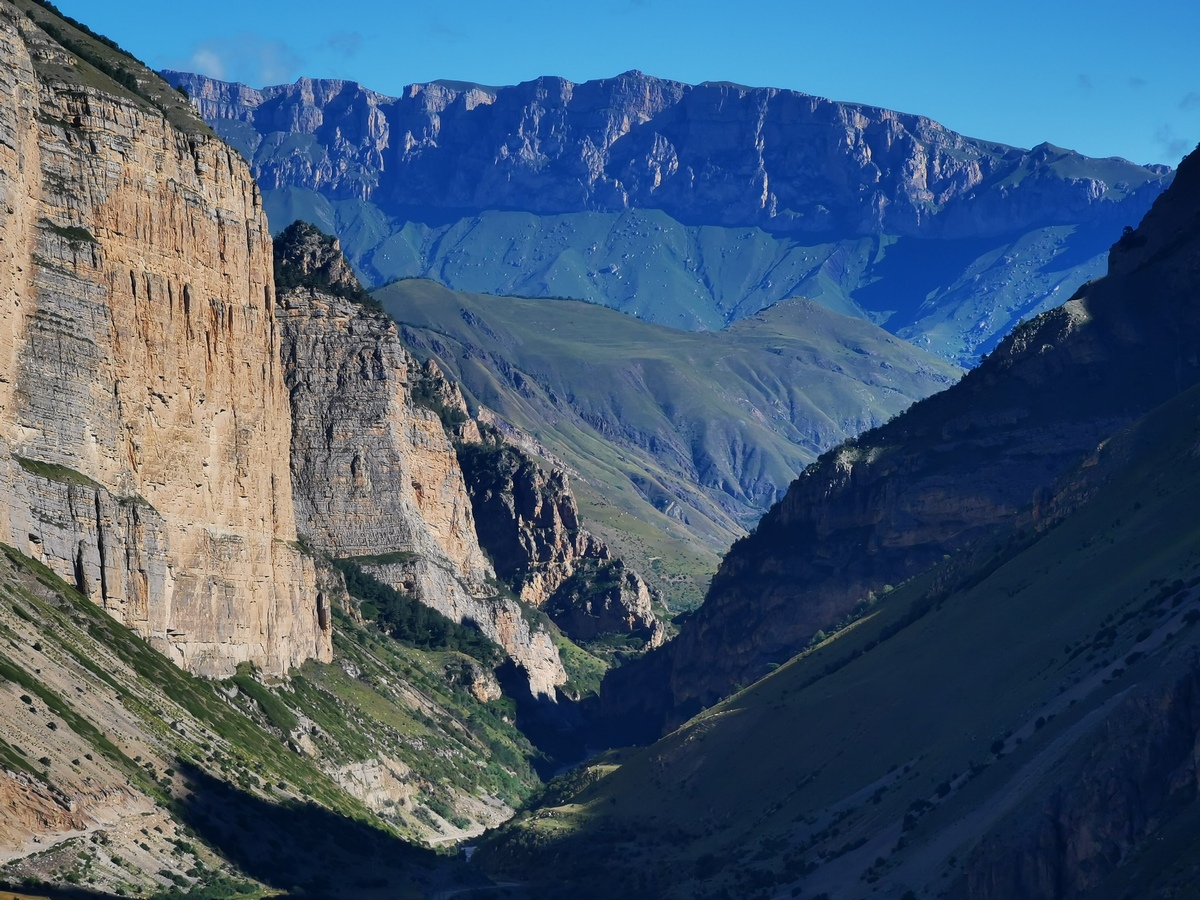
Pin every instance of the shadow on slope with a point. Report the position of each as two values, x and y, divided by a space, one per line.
308 851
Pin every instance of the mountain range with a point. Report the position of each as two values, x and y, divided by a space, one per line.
691 206
976 628
296 587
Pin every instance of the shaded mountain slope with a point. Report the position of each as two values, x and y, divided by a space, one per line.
121 771
688 205
886 506
1019 721
691 433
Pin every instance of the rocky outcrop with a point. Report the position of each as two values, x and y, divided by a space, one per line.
1137 773
374 474
529 523
884 507
714 153
143 416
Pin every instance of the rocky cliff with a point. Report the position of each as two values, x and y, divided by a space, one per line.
529 523
143 414
374 474
714 153
691 206
881 509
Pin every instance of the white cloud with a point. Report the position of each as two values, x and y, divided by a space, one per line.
206 62
248 58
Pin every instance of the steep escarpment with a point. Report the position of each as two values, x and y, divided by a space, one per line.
143 413
881 509
529 524
375 475
714 153
687 205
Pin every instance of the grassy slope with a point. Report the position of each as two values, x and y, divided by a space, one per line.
955 298
839 758
135 742
99 64
680 438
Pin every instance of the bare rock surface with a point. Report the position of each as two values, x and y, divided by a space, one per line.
143 417
375 474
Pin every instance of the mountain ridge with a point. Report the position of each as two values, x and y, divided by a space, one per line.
691 206
885 506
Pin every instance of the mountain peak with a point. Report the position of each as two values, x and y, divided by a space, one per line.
305 255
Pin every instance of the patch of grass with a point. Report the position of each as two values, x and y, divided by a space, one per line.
398 557
410 621
584 671
276 711
74 234
55 472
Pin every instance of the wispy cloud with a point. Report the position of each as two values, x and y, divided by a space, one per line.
248 58
345 43
443 32
1191 101
1173 145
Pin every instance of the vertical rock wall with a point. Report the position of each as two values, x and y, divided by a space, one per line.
374 473
144 424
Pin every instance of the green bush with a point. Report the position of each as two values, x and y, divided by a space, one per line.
411 622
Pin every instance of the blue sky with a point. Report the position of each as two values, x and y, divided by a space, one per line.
1101 77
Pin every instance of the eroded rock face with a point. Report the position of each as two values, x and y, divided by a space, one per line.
529 522
884 507
1138 771
143 418
374 473
713 153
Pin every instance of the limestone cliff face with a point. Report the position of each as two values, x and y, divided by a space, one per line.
529 522
143 415
373 473
884 507
716 153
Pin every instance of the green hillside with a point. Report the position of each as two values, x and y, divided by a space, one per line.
327 782
955 298
679 439
1013 723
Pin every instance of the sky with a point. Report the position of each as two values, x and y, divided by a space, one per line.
1101 77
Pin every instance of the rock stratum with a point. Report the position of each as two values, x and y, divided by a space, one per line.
144 418
884 507
688 205
375 476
